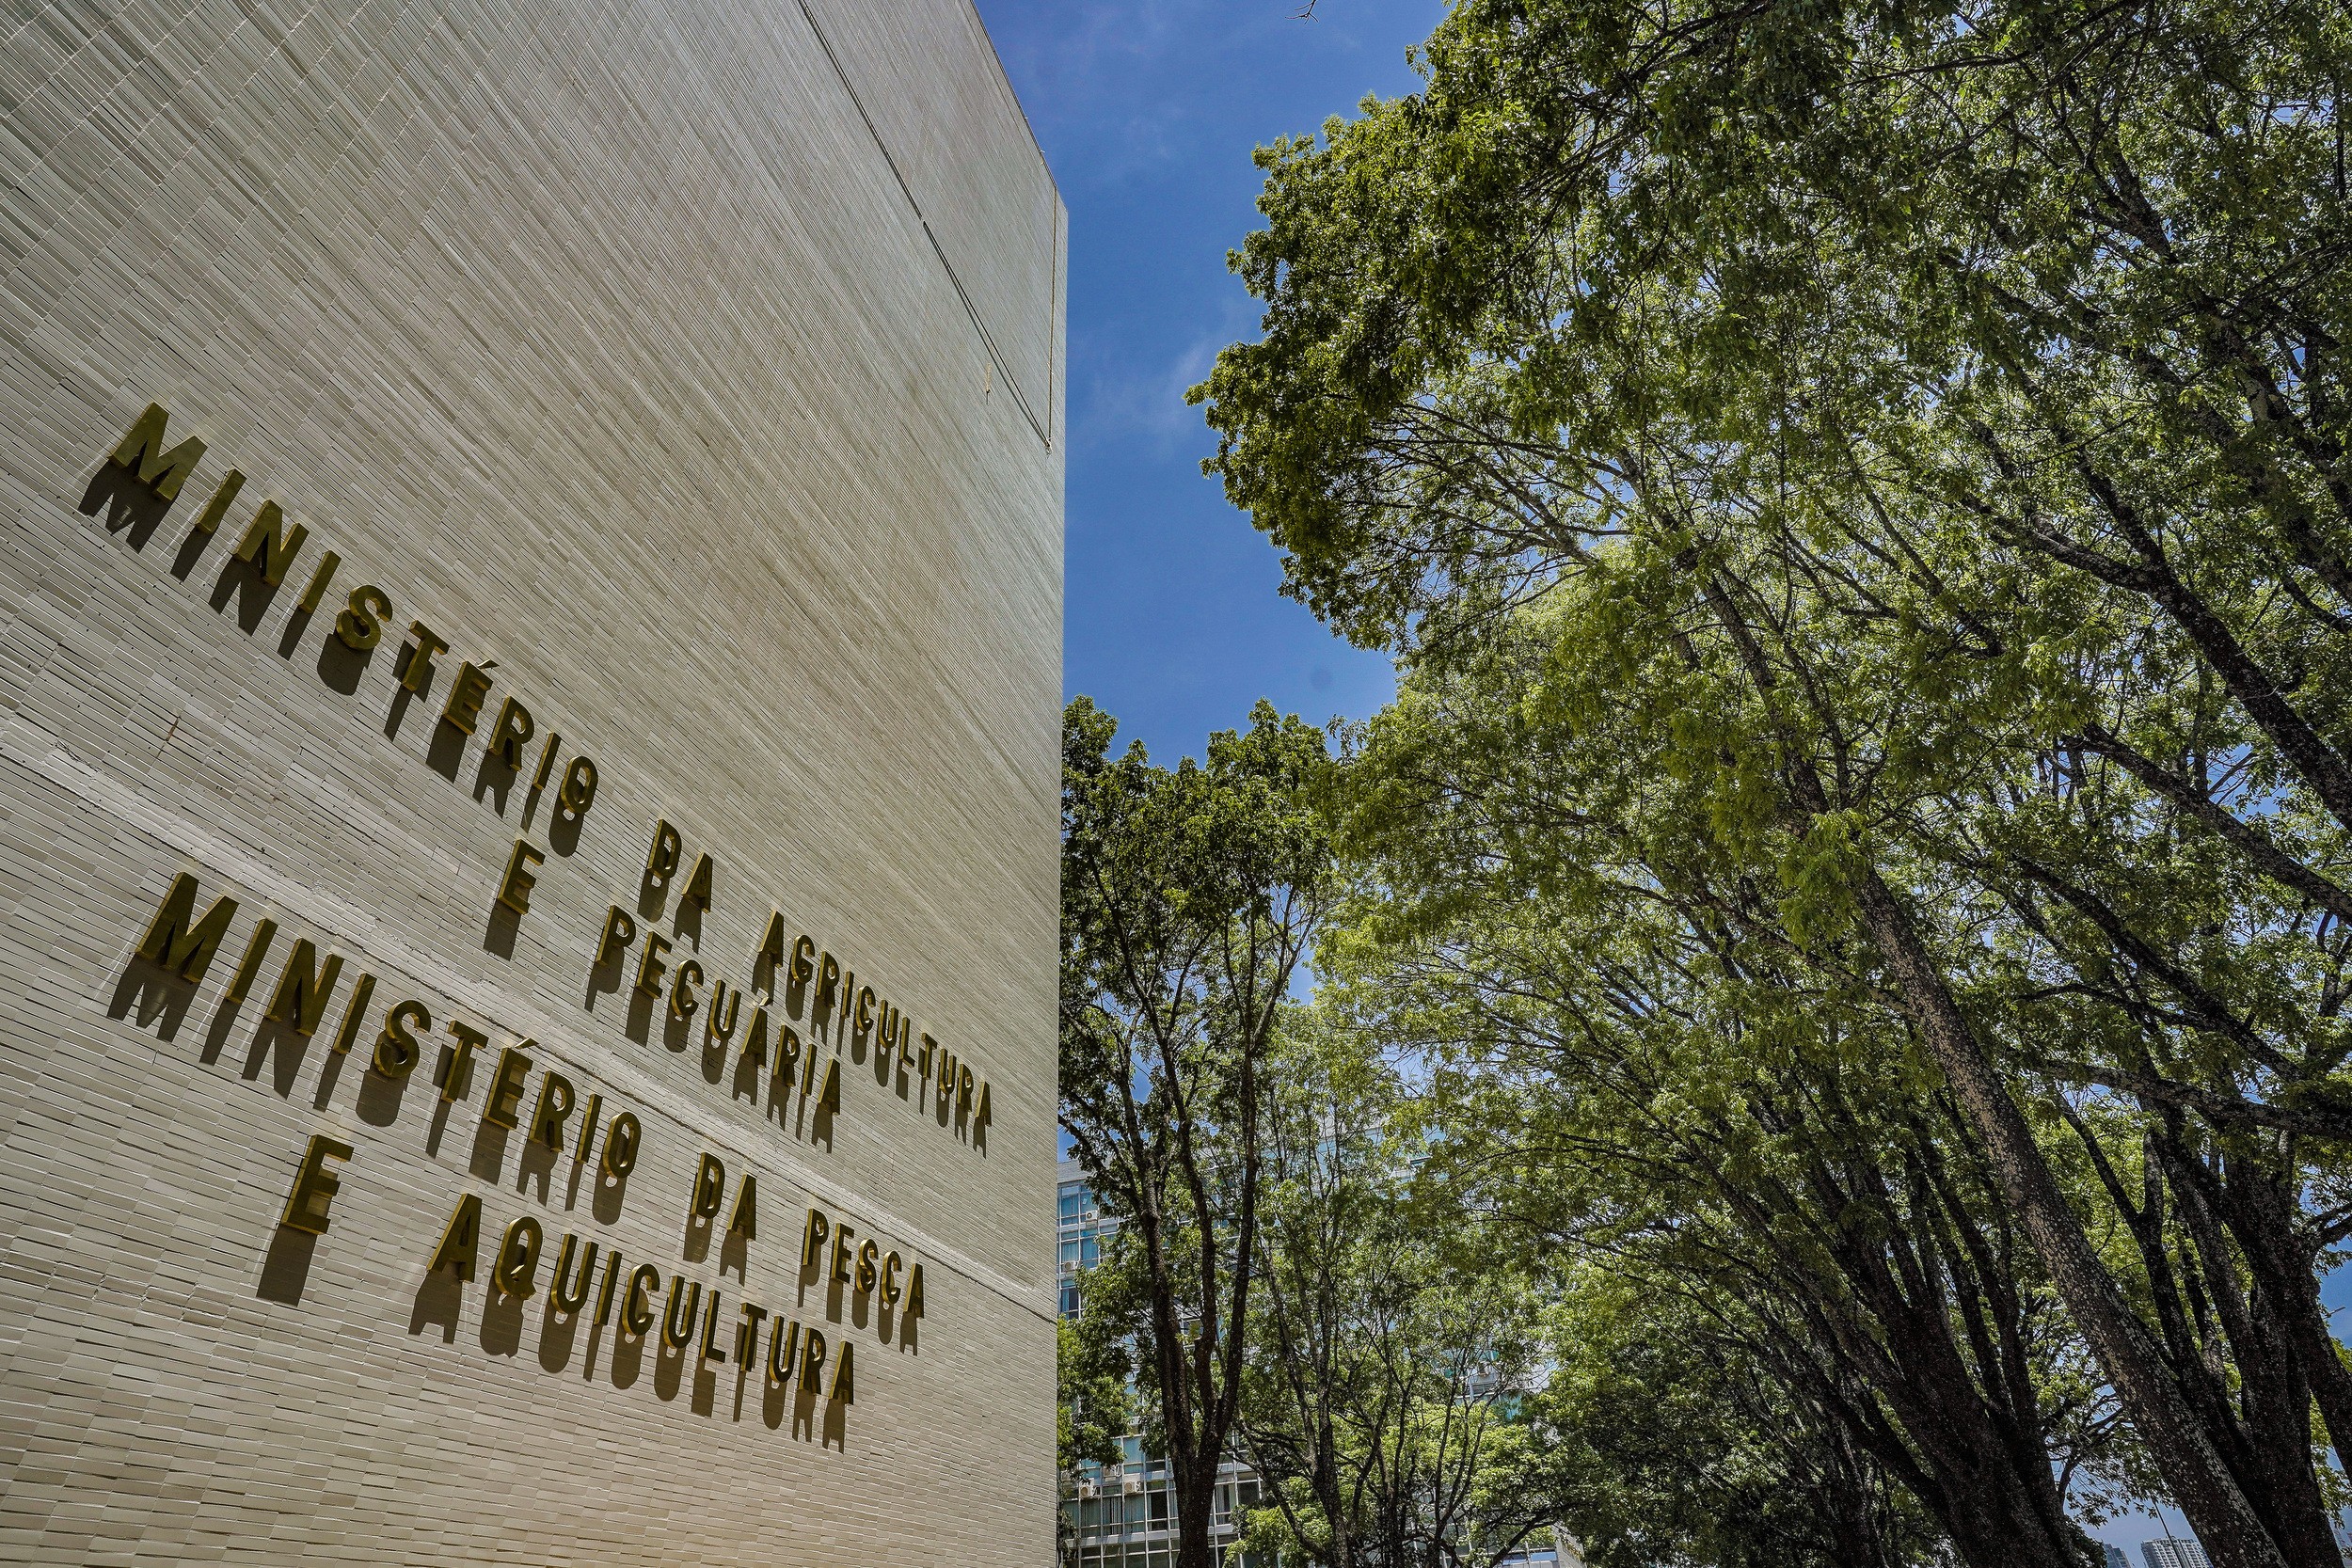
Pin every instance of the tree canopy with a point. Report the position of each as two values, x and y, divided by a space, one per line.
1859 494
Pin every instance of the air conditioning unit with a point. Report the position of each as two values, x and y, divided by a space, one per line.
1133 1487
1089 1489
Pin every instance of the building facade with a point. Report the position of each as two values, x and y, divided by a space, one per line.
530 661
1123 1515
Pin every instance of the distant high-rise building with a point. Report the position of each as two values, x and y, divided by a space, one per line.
2174 1552
2117 1558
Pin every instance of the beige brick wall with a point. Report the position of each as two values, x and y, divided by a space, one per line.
617 346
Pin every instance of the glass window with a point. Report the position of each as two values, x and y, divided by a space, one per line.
1090 1252
1070 1298
1069 1255
1250 1492
1159 1509
1070 1203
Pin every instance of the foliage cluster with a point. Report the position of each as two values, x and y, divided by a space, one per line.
1848 909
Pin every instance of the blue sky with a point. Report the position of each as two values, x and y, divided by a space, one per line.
1148 111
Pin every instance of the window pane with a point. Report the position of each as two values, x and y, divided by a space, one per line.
1090 1252
1070 1204
1159 1509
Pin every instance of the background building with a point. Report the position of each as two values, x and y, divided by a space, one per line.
540 507
1123 1515
2172 1552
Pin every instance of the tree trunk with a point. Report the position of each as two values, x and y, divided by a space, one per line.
1195 1501
2207 1494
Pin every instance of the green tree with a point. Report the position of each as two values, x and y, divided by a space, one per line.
1391 1347
1939 411
1190 896
1670 1444
1619 1070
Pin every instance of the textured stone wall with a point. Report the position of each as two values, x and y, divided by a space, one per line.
692 370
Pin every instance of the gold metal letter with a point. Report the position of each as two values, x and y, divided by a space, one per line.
747 1333
455 1072
619 931
397 1049
604 1297
710 1351
514 892
420 662
568 1301
463 707
506 1085
507 735
649 965
176 941
360 626
460 1238
142 451
636 1316
303 988
620 1146
698 885
579 787
517 1271
662 861
842 1231
555 1103
711 1189
268 545
314 1187
844 1376
782 1348
355 1013
675 1334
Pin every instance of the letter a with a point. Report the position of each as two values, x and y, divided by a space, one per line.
461 1238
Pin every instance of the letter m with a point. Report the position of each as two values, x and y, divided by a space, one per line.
177 941
142 451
